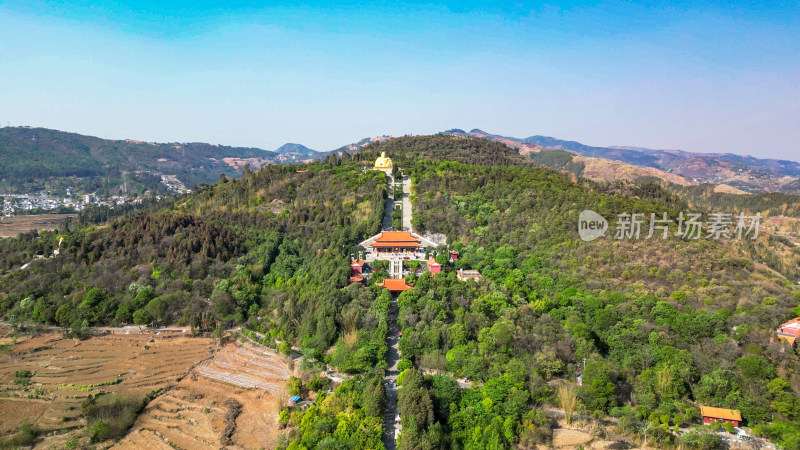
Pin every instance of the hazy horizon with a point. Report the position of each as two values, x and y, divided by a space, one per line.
635 147
709 77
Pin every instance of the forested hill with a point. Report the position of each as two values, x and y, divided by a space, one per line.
32 158
406 151
664 325
277 221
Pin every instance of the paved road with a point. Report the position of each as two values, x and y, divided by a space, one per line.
387 215
406 204
390 380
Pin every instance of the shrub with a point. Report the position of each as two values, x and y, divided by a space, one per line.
701 440
79 329
25 436
294 385
23 377
317 383
99 431
283 418
404 364
658 435
110 416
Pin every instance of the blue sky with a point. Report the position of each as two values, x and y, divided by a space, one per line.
699 76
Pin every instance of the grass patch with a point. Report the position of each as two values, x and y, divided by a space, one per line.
86 387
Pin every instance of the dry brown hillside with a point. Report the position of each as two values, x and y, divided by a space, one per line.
599 169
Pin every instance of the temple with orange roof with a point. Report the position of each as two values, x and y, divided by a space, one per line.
395 284
396 242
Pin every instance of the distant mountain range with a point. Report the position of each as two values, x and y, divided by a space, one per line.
744 173
32 158
37 159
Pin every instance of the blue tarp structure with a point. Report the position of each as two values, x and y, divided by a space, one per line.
294 399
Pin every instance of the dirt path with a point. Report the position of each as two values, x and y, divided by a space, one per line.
128 329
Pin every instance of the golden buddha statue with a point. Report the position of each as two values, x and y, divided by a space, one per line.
383 162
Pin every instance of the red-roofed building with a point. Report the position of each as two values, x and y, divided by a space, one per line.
454 255
357 278
396 242
711 415
358 271
434 266
395 284
789 331
357 265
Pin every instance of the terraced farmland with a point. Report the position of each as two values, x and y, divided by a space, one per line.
197 412
247 366
64 372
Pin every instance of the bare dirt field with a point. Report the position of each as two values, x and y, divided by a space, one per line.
66 371
563 437
12 226
582 433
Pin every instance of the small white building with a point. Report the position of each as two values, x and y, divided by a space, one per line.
464 275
